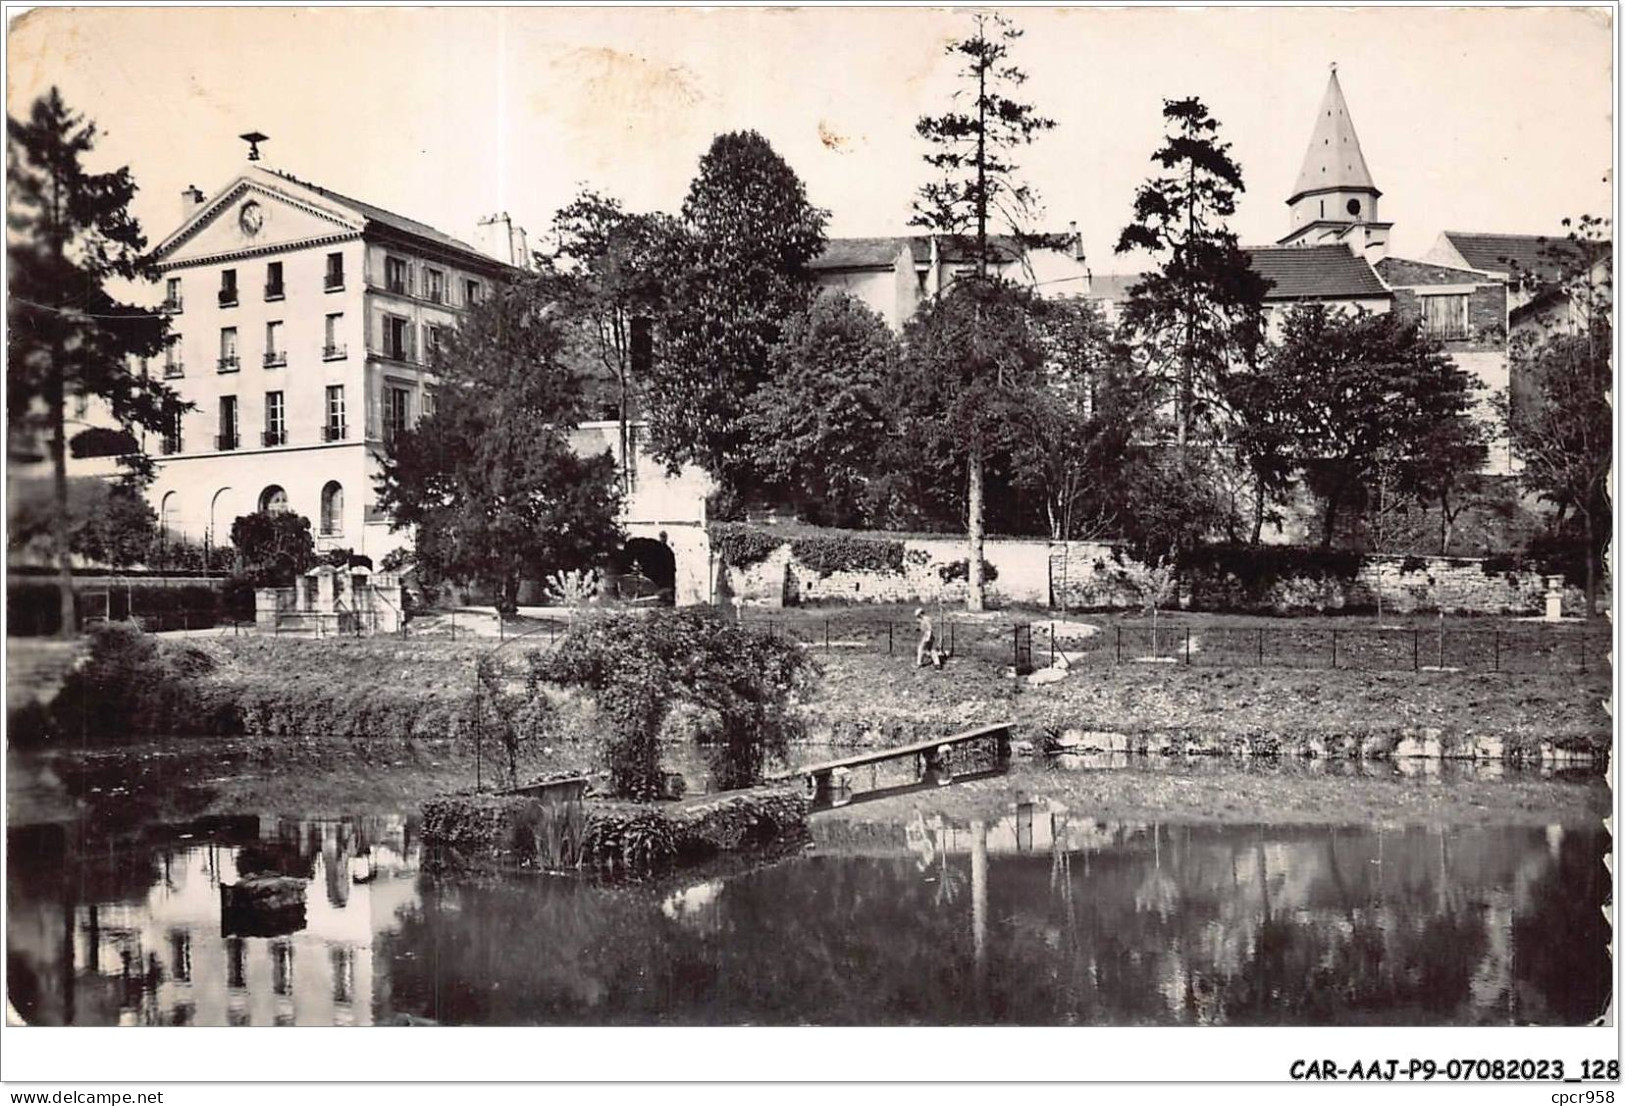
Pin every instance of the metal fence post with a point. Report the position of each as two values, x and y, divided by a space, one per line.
1416 650
1334 648
1120 643
454 625
1052 643
1582 652
1261 646
826 635
888 639
1498 650
1187 645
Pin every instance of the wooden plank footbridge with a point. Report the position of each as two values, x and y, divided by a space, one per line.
984 751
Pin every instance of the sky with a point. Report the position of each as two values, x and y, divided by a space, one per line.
1488 119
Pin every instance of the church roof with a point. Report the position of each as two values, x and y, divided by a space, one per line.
1315 272
1333 159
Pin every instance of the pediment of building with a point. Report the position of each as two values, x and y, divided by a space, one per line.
252 217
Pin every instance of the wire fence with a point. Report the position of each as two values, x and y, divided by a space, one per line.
1531 647
1026 646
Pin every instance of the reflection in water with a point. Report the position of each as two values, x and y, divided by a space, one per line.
1041 917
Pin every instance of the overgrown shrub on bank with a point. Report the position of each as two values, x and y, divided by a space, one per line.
485 831
639 665
132 683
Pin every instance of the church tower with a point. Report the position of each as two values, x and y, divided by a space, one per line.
1335 199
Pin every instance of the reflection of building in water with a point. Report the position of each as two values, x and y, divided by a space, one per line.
169 962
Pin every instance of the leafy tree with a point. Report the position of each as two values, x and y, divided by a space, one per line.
1202 310
609 278
273 547
109 524
1261 433
821 422
734 276
1562 430
70 233
972 151
1366 391
742 680
1081 420
489 479
1445 469
972 360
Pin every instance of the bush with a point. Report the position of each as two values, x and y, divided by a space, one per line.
640 665
131 683
960 570
1229 577
741 546
831 553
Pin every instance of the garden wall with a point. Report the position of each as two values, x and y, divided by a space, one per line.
851 568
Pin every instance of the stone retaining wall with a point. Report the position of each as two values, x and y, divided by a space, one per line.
1091 576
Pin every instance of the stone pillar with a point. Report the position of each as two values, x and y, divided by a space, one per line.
1554 598
267 604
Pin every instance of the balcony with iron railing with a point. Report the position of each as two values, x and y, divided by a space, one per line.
228 297
171 444
173 304
174 370
275 358
223 442
229 364
333 351
333 282
333 432
274 290
278 436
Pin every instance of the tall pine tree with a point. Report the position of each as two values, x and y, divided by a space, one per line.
1201 311
70 233
972 151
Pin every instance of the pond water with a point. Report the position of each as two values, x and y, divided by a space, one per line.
1043 916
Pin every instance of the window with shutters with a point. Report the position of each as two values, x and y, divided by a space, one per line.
1445 316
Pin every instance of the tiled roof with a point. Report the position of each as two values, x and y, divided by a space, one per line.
858 253
1315 272
399 223
1500 253
1405 273
880 253
1112 287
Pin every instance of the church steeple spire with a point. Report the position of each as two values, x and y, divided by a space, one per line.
1334 193
1334 159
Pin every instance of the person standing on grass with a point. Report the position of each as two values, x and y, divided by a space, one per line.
924 649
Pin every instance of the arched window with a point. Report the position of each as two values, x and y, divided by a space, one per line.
220 516
333 508
169 515
274 499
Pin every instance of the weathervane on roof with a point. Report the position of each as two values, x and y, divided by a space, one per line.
1334 67
253 138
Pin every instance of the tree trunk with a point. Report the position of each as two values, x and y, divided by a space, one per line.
1328 522
974 600
62 525
1258 509
1591 568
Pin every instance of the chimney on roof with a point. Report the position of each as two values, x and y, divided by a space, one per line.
191 200
497 237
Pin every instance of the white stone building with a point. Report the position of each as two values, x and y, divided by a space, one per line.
303 322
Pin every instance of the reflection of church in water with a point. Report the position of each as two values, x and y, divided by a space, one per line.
172 958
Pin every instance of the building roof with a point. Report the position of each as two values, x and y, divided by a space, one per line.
1112 287
1403 272
1502 253
858 253
389 219
881 253
1334 159
1316 272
